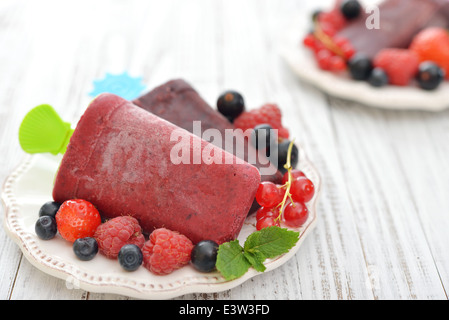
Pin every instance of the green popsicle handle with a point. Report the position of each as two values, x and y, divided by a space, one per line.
42 131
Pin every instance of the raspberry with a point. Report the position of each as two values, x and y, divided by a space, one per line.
432 44
283 133
77 219
115 233
401 65
267 114
166 251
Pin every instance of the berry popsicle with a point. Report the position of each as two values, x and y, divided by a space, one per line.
399 21
178 102
120 159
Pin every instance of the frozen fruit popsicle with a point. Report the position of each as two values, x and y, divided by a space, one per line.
399 21
119 158
178 102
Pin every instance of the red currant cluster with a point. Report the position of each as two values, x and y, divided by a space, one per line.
326 58
284 202
331 21
331 51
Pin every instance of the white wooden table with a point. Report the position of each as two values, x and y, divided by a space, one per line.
382 231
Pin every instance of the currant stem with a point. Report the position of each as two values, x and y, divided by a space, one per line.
288 184
327 40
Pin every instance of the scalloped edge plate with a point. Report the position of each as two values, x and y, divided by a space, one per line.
303 64
30 185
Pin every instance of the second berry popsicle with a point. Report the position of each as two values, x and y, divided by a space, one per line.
178 102
399 21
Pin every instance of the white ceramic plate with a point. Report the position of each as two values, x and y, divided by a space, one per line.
301 60
30 185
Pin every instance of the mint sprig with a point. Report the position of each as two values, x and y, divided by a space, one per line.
233 260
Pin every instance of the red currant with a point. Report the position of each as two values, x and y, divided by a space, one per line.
268 194
323 58
337 63
295 214
340 41
263 212
329 29
302 189
310 41
333 18
318 46
267 222
295 174
348 50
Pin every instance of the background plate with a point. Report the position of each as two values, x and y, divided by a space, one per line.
300 59
30 185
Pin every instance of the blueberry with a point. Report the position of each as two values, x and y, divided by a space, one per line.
430 75
351 9
85 248
130 257
49 209
282 155
45 227
360 67
204 255
263 137
231 104
378 78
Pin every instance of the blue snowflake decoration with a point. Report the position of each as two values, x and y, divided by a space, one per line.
122 85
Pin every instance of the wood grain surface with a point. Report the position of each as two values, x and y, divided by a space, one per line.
383 216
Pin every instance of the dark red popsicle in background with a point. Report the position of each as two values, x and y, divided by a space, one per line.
178 102
399 22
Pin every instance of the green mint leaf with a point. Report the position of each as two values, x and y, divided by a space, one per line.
256 259
231 262
271 242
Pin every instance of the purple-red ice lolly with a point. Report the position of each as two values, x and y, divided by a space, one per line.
120 159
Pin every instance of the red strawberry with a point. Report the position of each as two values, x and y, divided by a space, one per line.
401 65
77 219
432 44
